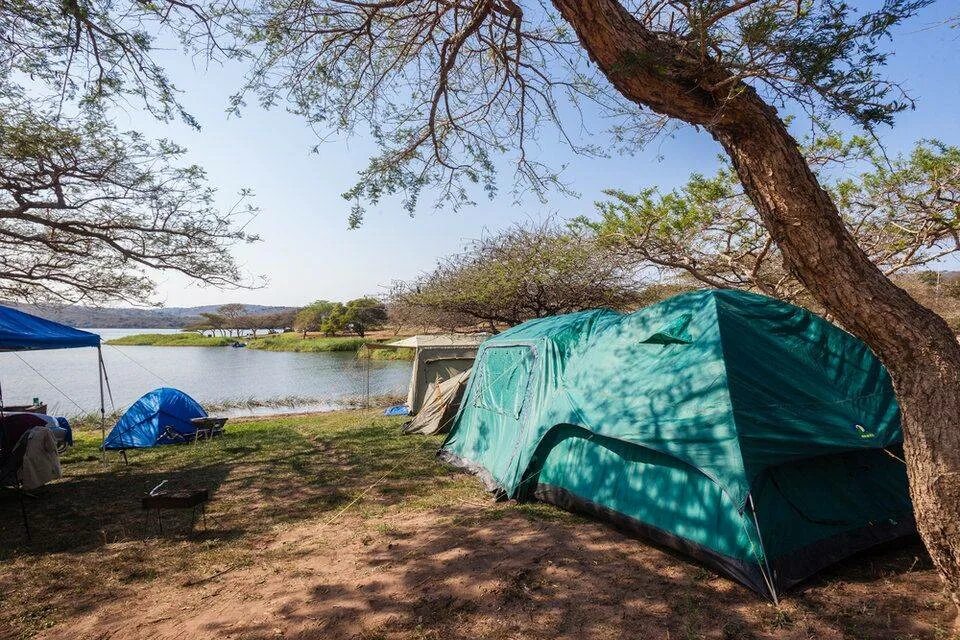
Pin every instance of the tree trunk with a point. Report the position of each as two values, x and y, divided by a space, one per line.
915 344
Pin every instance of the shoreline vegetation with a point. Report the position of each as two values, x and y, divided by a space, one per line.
292 342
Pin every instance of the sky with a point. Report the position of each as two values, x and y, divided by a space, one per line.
308 253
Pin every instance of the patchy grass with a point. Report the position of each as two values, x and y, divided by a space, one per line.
273 342
320 344
310 344
185 339
91 540
337 526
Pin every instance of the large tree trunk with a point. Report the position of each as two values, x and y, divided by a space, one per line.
915 344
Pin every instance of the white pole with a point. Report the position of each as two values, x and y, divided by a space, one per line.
368 354
103 412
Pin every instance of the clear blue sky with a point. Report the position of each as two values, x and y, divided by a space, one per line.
307 251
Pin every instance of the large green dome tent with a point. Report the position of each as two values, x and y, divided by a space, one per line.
746 432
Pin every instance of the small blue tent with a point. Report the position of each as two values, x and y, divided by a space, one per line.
159 417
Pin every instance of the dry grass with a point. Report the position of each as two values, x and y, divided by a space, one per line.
337 526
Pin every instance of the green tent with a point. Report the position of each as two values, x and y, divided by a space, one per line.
749 433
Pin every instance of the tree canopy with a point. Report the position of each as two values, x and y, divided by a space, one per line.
527 271
358 316
88 212
904 213
450 91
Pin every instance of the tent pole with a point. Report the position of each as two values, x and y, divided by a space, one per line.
103 412
767 575
369 356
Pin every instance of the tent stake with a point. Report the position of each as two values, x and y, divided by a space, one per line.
767 575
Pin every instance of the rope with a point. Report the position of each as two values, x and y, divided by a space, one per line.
893 455
106 378
361 494
47 380
131 359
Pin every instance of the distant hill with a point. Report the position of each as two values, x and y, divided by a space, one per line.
123 318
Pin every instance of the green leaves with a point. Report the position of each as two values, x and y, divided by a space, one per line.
528 271
904 212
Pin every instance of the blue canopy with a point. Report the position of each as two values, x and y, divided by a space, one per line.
162 416
20 331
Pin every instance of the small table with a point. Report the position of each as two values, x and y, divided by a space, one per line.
187 498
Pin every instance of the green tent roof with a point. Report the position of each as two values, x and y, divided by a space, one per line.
729 382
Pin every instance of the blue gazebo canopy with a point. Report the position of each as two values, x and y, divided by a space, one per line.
21 331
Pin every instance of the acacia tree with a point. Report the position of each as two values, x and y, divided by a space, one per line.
364 314
88 212
312 317
527 271
447 86
234 313
406 314
902 212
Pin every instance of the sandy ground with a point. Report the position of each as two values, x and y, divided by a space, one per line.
460 573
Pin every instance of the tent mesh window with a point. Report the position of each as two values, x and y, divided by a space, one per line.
504 377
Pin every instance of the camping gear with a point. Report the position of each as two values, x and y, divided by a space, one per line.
21 331
397 410
11 459
59 426
437 358
440 407
208 428
186 498
162 416
41 460
746 432
36 407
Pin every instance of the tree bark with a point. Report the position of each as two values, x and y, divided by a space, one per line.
915 344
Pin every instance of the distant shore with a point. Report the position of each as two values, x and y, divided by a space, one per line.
291 342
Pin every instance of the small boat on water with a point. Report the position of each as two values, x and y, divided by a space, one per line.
238 345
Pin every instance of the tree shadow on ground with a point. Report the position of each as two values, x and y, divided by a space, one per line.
466 574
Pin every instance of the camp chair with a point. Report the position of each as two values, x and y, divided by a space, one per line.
11 459
208 427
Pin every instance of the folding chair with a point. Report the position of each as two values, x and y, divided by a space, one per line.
11 459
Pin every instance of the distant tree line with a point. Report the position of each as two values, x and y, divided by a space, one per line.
233 319
331 318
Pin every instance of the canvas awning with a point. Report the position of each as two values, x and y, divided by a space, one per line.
442 340
21 331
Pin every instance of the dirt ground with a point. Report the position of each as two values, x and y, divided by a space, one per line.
337 527
460 574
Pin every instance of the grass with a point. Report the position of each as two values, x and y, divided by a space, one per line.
274 342
91 540
278 482
185 339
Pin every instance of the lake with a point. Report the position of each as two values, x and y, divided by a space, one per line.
219 375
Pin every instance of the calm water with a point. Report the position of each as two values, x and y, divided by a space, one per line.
209 374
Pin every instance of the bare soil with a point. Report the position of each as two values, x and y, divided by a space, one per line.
459 573
362 535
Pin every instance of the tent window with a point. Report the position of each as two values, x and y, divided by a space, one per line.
504 378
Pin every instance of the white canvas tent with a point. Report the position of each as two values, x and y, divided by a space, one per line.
438 358
440 406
